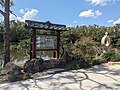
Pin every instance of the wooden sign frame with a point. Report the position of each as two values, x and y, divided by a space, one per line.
34 25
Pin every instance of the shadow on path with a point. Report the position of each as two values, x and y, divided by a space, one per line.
65 80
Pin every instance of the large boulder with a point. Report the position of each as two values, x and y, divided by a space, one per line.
67 60
11 72
38 65
71 61
32 66
77 64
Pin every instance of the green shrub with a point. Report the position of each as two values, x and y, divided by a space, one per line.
85 48
111 56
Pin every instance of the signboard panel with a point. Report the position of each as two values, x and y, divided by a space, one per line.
46 42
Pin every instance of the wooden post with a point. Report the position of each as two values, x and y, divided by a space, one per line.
34 44
31 48
58 44
54 54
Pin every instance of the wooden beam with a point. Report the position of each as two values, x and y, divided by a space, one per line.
46 49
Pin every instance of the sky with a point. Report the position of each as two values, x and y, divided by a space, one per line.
68 12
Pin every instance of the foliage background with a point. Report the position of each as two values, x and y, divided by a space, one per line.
83 41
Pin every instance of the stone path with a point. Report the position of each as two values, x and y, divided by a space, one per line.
101 77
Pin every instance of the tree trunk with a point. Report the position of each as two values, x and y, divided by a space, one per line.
6 33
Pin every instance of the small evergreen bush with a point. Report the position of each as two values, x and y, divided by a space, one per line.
111 56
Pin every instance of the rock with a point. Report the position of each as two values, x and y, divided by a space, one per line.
28 66
11 72
38 65
38 74
66 59
77 64
27 76
96 62
71 61
33 66
51 63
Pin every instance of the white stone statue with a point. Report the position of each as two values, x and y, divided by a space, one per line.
105 39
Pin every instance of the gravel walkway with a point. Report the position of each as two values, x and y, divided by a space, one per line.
101 77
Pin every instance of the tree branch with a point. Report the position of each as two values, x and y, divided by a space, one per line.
1 12
2 4
12 13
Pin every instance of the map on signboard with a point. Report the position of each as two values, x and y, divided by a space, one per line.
46 42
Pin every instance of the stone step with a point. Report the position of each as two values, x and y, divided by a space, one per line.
54 70
114 63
